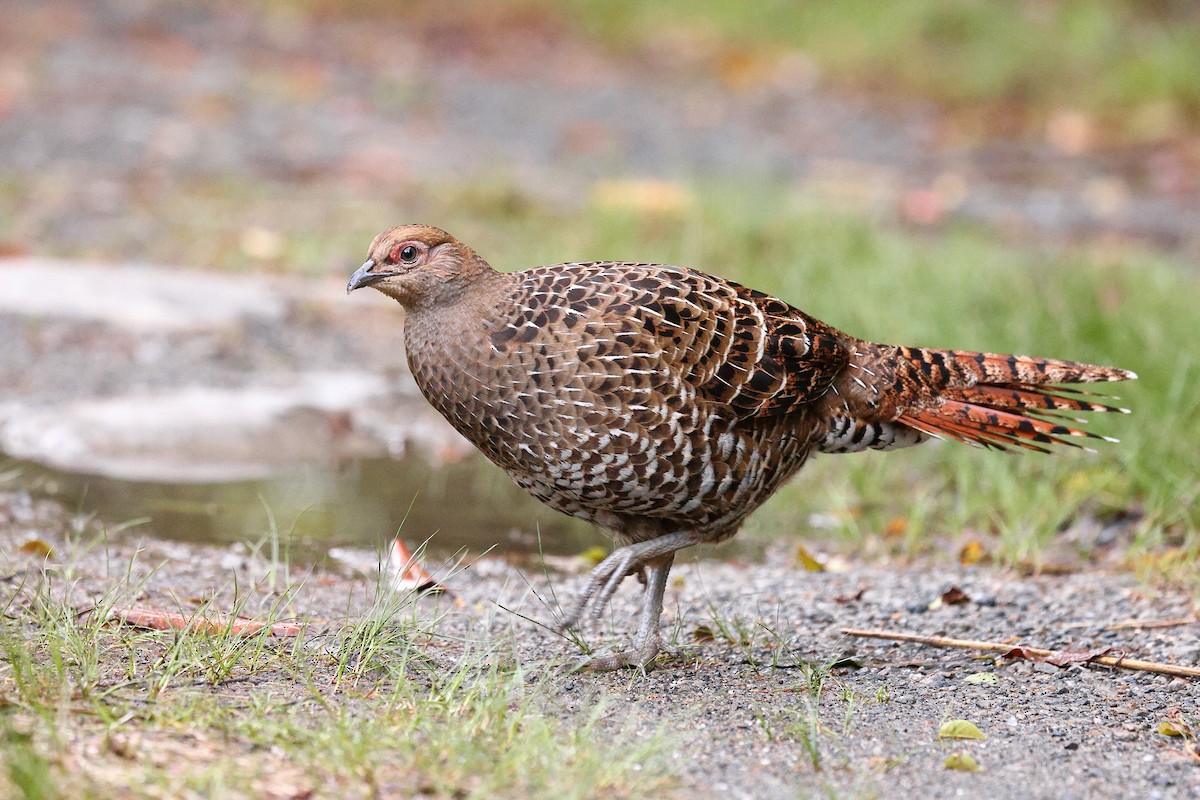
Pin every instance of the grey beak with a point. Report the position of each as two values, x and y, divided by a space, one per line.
364 277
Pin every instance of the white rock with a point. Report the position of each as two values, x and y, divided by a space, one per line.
193 434
139 299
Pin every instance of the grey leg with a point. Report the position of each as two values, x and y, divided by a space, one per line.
645 644
656 556
609 573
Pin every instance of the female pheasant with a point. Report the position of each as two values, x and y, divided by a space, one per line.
665 405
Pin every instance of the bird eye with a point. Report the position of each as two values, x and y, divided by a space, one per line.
408 253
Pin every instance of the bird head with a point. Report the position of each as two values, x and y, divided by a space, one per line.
418 265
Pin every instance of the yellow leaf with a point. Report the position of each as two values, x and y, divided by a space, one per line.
960 729
1170 729
807 560
971 553
962 761
594 555
982 679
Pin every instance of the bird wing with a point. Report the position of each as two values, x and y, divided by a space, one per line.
726 343
775 359
678 332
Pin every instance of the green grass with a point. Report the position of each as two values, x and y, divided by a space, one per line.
377 706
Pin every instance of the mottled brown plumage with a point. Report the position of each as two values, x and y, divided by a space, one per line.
665 405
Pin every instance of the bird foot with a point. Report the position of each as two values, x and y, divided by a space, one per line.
652 559
641 657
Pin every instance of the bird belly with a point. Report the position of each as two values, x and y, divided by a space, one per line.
689 470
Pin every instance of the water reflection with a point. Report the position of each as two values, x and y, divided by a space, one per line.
363 503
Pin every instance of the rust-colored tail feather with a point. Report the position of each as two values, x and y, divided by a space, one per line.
1002 401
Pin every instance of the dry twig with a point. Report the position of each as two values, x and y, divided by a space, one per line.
1001 647
1132 624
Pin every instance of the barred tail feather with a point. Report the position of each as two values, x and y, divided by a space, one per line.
1003 401
994 368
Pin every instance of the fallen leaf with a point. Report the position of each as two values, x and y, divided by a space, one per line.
594 555
982 678
960 729
963 762
1176 724
155 619
1171 729
1059 658
955 596
37 547
703 633
971 553
408 573
849 598
807 560
1063 658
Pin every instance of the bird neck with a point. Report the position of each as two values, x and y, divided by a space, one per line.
459 310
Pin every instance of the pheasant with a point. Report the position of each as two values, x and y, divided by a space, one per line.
665 405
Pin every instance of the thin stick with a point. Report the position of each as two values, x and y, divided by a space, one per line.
1147 624
1000 647
1135 624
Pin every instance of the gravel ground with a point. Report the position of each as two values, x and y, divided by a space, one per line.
735 711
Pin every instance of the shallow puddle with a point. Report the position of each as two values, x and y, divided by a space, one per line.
467 504
363 503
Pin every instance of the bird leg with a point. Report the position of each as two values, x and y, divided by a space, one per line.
656 557
646 642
